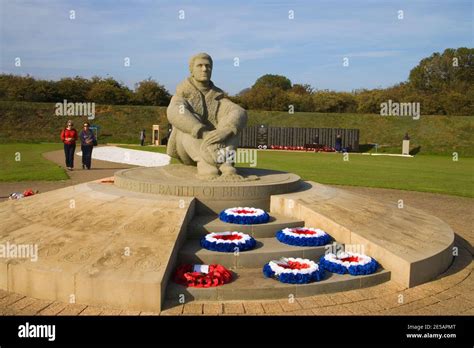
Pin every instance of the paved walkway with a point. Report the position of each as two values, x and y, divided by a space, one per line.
451 294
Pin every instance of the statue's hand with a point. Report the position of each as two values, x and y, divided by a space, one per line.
216 136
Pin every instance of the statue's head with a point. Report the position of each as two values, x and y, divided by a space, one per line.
200 66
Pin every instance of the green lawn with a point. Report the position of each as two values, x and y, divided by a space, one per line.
31 165
425 173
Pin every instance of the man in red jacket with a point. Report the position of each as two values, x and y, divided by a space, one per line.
69 137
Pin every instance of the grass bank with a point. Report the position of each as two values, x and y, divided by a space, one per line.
436 135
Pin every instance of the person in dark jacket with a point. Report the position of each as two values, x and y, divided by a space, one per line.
338 143
69 138
142 137
316 140
88 141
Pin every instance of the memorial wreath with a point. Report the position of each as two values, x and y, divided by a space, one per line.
293 270
202 276
228 242
348 262
244 216
303 236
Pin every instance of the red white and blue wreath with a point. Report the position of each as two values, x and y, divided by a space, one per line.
228 242
303 236
244 216
348 262
293 270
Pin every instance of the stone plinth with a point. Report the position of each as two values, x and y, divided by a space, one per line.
212 196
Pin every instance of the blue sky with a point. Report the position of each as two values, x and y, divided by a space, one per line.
307 49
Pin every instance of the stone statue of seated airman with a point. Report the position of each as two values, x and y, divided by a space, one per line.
205 123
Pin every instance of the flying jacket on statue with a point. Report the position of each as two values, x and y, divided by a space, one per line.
191 112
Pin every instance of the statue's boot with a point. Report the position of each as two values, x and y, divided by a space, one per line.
229 171
206 171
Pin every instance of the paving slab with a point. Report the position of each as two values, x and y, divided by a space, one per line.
97 245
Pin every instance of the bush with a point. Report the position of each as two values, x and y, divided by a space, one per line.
330 101
79 89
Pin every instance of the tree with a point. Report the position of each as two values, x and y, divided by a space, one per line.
273 81
456 103
302 89
20 88
331 101
368 101
301 102
73 89
453 69
264 98
108 91
46 91
150 92
443 84
242 92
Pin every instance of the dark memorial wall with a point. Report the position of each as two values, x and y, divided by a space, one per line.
262 135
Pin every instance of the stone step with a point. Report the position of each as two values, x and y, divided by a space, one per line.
200 225
250 284
266 249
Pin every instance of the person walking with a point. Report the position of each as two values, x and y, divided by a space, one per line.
88 141
69 138
142 137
